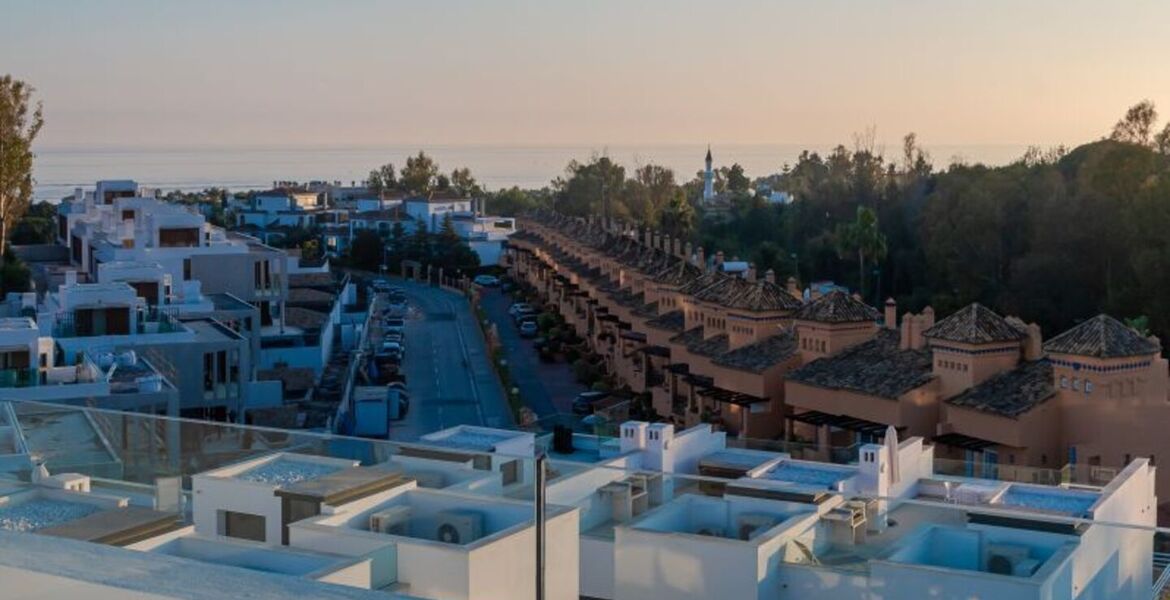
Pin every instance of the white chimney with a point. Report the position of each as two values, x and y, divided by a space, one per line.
633 436
70 278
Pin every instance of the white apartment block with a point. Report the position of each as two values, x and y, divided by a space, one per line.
631 518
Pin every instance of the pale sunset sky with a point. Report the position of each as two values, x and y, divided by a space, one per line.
556 72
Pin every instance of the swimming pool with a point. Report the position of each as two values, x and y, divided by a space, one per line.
38 513
796 473
1057 501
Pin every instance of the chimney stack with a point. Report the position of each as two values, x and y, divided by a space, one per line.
1034 344
701 258
690 251
750 273
719 260
891 316
770 276
793 288
70 278
666 244
655 239
678 247
647 238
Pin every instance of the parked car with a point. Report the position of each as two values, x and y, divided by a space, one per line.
394 324
529 328
520 307
394 336
523 315
528 318
392 350
583 403
486 280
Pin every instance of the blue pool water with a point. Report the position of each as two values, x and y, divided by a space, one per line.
795 473
1062 501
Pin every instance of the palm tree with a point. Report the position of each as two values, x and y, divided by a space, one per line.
863 237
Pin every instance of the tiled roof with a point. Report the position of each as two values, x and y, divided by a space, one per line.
1102 337
715 345
304 295
1011 393
670 321
837 307
311 280
760 356
975 324
759 296
877 368
304 318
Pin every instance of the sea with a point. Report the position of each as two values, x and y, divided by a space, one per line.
58 170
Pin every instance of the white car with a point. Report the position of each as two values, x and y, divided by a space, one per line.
486 280
520 307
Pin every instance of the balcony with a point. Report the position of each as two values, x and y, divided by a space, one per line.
19 378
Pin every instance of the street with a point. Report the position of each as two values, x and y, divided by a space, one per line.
547 388
449 375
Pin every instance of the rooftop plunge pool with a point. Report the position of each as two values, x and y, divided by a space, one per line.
809 474
1051 500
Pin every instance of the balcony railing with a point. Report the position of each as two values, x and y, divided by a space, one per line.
19 378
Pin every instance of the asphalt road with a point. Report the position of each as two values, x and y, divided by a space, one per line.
547 388
449 375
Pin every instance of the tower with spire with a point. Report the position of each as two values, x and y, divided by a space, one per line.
709 179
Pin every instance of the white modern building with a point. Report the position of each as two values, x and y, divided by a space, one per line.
653 514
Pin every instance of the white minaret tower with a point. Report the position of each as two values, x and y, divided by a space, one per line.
708 179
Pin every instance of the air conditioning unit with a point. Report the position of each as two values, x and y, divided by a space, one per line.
1008 559
750 525
459 526
393 521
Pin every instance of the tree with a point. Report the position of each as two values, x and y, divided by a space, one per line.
383 179
420 174
678 217
864 238
18 129
464 183
592 188
1137 124
366 250
1162 140
737 181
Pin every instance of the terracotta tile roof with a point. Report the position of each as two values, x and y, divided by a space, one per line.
670 321
837 307
304 318
736 292
1102 337
760 356
877 368
975 324
715 345
1012 393
311 280
304 295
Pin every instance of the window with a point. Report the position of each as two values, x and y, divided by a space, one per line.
186 269
1076 384
510 471
1064 382
1089 388
242 525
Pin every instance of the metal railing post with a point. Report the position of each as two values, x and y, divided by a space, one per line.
541 459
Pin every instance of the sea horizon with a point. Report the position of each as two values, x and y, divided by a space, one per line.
60 169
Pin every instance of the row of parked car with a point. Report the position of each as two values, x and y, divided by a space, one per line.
392 347
525 315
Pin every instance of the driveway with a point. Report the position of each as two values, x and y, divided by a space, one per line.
547 388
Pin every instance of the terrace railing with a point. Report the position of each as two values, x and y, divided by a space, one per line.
19 378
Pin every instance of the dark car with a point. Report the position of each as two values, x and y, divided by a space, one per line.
583 403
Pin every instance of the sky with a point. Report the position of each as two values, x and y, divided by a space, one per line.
352 73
